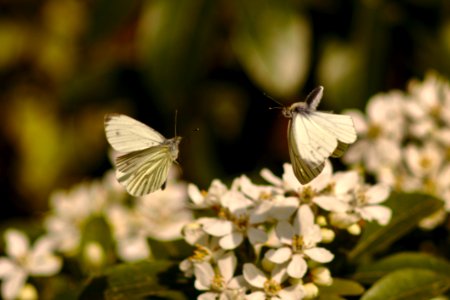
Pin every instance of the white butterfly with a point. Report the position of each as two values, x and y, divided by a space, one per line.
313 136
148 155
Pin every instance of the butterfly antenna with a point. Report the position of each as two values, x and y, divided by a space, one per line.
281 106
176 117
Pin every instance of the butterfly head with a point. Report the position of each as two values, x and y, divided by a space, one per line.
173 145
296 108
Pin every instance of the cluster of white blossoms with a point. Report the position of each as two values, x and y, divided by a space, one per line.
131 221
404 140
265 241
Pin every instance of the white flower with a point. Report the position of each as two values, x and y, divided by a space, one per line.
380 133
300 241
219 282
272 286
367 203
164 213
268 202
24 261
70 210
342 185
291 184
206 250
129 233
424 161
233 230
209 199
430 99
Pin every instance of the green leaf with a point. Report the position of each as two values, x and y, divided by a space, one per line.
272 40
372 272
407 211
135 281
342 287
408 284
96 247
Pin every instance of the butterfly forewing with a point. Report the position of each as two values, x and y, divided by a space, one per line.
314 97
126 134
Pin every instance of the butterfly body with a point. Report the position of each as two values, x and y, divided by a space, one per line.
147 158
313 136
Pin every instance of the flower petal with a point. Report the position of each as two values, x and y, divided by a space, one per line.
17 244
285 232
204 274
280 255
297 267
381 214
231 241
256 235
377 193
253 275
227 265
319 254
7 267
216 227
12 285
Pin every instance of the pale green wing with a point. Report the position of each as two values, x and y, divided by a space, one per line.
126 134
302 170
144 171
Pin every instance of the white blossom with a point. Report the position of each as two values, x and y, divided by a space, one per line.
23 261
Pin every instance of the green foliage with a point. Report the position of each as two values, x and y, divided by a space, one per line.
407 211
408 284
341 287
135 281
371 272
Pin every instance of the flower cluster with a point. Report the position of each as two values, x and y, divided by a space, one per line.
265 241
131 222
404 140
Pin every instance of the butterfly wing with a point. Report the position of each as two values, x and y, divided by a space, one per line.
314 97
341 126
340 149
310 141
144 171
303 171
126 134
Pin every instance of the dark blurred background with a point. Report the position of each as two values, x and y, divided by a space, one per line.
65 63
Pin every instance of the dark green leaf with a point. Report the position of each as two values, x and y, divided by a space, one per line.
135 281
407 211
175 39
408 284
372 272
272 40
342 287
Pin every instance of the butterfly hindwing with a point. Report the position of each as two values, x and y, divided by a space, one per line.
144 171
302 170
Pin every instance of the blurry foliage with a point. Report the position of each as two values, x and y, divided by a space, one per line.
64 63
